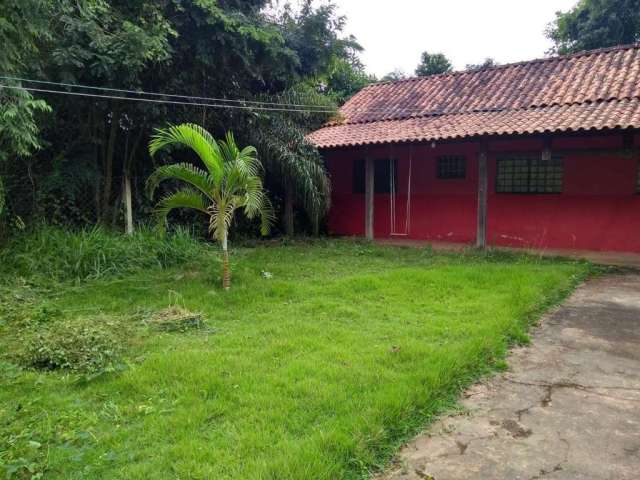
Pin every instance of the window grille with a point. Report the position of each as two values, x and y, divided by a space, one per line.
529 174
452 167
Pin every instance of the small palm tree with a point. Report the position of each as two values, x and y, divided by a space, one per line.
231 181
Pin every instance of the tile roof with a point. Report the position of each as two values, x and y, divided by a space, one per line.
591 90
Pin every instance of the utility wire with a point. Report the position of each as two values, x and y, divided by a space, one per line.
141 92
216 102
170 102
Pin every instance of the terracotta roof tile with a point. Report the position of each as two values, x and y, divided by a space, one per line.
559 118
591 90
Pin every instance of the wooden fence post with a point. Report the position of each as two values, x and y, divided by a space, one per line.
128 208
481 235
369 186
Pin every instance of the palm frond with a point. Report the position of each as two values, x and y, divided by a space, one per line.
191 136
286 150
267 216
233 182
245 160
184 198
229 148
185 172
253 198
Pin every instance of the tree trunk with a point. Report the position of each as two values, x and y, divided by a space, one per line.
126 175
108 164
226 270
288 209
94 129
128 209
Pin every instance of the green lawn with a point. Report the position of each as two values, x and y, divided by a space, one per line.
319 372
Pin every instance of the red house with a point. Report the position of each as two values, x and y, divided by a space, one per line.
541 154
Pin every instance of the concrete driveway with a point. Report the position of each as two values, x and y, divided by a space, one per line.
568 408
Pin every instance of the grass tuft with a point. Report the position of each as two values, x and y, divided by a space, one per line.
52 253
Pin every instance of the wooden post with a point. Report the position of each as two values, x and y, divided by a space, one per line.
369 176
481 236
128 209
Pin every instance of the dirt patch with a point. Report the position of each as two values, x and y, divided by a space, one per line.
515 429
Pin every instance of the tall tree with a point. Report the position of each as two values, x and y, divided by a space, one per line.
344 78
432 64
23 24
106 44
595 24
314 34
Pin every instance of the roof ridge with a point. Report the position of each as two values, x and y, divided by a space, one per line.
487 110
582 53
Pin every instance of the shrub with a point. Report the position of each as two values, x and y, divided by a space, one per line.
84 345
58 254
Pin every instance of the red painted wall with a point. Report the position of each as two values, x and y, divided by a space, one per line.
599 208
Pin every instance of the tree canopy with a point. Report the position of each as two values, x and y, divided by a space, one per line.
224 49
432 64
595 24
488 63
397 74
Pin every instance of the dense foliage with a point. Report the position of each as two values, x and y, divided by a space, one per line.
595 24
395 75
69 166
433 64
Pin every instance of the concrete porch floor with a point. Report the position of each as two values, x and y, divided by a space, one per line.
621 259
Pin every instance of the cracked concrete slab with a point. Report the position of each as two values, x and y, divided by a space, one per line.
567 408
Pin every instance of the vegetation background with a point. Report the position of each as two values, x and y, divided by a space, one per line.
68 160
64 159
316 365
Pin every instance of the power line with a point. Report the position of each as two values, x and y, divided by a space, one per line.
216 102
141 92
169 102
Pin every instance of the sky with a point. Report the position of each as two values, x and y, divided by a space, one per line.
395 32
